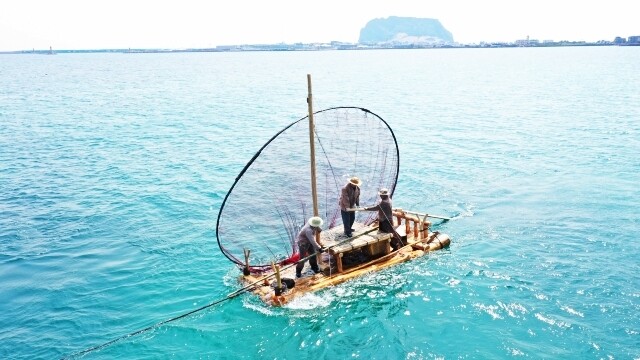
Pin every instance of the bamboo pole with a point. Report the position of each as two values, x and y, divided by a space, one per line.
422 214
246 270
314 190
312 147
276 270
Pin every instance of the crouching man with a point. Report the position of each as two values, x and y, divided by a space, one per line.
307 244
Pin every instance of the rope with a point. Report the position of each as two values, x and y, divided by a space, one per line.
102 346
436 233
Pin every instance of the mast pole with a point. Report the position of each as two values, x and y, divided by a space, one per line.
312 148
314 190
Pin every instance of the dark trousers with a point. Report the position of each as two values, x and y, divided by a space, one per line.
386 227
348 218
306 250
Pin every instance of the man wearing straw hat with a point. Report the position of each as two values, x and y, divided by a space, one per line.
307 244
349 198
385 217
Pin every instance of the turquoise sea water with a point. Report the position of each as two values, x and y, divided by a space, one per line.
113 168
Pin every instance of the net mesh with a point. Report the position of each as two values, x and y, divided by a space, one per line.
271 198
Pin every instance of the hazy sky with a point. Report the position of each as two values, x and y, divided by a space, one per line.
91 24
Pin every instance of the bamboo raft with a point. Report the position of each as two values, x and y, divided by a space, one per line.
280 285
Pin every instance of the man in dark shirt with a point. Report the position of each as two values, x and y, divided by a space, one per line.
349 198
385 217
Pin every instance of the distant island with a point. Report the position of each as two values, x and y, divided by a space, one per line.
393 32
404 30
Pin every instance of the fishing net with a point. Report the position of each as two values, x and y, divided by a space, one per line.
271 198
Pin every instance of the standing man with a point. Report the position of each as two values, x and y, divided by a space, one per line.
385 217
349 198
307 244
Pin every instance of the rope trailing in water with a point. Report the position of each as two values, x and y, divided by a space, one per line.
228 297
151 327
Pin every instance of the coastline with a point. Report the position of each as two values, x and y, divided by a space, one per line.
322 47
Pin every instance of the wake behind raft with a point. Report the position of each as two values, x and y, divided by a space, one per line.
273 197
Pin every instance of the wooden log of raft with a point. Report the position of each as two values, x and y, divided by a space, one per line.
435 241
424 230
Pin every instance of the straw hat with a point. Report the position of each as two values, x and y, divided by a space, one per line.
383 192
355 181
316 221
